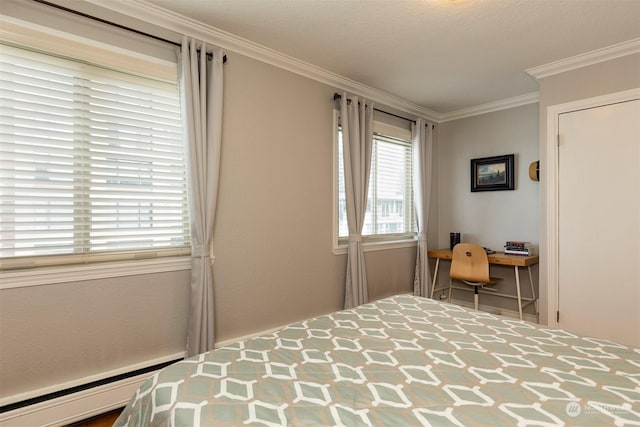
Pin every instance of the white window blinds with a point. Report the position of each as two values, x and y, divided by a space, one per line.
390 200
390 212
91 159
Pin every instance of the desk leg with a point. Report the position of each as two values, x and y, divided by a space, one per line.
518 290
533 295
435 277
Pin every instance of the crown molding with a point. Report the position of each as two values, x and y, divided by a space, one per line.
600 55
503 104
168 20
182 25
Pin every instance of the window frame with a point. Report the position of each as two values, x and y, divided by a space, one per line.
374 242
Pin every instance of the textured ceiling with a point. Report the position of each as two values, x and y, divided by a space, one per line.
443 55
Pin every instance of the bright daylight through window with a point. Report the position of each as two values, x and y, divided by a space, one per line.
91 159
390 213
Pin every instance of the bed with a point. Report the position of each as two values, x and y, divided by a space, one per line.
400 361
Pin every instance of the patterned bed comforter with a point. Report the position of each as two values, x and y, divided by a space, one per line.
401 361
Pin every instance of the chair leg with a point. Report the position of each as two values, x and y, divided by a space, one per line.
475 298
450 286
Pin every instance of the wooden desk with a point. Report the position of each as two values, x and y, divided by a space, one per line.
498 258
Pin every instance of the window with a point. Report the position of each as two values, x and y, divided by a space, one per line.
390 212
91 160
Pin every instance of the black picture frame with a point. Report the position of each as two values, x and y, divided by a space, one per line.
492 173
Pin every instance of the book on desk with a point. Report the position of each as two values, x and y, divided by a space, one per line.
520 248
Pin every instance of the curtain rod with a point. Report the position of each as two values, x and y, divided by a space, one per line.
113 24
336 96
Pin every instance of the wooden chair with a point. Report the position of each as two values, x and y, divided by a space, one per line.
470 265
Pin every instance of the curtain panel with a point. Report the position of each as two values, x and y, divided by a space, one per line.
201 97
422 141
357 140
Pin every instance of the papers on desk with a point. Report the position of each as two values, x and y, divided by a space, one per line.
520 248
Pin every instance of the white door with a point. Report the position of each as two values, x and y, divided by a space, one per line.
599 222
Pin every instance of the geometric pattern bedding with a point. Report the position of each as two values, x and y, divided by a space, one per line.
400 361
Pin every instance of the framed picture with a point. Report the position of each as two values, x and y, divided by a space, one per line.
492 173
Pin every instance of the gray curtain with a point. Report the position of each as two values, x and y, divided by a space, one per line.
201 95
357 139
422 133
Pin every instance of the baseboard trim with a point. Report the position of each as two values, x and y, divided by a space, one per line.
231 341
497 310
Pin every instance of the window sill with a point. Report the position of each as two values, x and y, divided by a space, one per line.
103 270
378 246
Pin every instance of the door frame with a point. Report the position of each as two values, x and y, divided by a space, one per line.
550 169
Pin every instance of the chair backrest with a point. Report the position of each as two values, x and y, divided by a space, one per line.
469 262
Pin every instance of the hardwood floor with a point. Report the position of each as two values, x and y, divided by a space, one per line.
104 420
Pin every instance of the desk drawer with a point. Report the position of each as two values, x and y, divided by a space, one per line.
502 261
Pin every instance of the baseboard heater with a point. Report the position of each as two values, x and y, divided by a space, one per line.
80 401
83 387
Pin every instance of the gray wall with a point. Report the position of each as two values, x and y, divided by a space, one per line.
493 217
599 79
273 246
53 334
273 234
